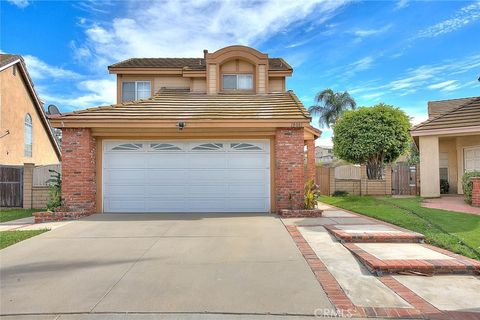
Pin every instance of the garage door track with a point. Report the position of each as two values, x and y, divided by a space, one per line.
160 263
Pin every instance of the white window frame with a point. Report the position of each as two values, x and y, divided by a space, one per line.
28 148
136 88
464 158
237 76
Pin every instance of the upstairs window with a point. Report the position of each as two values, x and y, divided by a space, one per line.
135 90
237 82
28 136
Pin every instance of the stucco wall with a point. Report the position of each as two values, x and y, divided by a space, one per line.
15 103
198 85
429 166
276 85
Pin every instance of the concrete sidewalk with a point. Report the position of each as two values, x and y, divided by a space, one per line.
29 224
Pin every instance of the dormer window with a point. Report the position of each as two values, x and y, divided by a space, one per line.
135 90
237 82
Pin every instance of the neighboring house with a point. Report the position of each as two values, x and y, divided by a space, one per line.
449 144
213 134
25 134
324 154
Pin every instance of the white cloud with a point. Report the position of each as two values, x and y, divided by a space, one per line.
461 18
442 85
372 96
185 28
402 4
362 64
91 93
363 33
19 3
38 69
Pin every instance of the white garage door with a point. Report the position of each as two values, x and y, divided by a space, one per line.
472 159
186 176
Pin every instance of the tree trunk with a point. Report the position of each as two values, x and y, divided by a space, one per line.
375 169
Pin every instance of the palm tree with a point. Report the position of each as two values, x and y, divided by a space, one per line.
330 105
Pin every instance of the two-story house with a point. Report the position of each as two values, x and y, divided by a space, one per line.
214 134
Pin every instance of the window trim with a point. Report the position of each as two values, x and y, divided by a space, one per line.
136 88
25 125
236 75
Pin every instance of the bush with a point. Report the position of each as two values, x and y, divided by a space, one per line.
444 186
340 193
312 195
54 190
468 185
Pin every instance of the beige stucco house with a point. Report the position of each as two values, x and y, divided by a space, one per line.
25 133
218 133
449 144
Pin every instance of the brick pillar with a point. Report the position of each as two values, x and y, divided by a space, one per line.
289 168
310 160
476 191
27 185
78 170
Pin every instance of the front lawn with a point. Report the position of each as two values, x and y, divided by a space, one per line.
7 238
454 231
14 214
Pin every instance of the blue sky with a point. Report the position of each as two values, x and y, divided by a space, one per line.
403 52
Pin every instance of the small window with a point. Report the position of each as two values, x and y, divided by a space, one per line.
28 135
237 82
135 90
208 146
128 147
244 146
164 147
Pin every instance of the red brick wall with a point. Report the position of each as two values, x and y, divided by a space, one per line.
310 174
289 168
476 191
78 170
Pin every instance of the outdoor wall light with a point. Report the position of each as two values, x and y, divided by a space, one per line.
181 125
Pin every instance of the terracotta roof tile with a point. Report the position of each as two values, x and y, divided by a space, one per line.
436 108
464 116
276 64
177 105
6 58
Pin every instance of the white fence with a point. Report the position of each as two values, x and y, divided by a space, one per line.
348 172
41 174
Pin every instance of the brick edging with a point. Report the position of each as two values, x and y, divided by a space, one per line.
384 237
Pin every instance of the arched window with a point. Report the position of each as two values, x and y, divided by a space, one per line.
28 135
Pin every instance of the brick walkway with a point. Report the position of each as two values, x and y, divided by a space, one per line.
342 298
451 203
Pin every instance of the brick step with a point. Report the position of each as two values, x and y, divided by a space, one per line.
372 233
394 258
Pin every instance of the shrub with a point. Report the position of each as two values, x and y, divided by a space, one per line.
468 185
444 186
312 195
340 193
54 190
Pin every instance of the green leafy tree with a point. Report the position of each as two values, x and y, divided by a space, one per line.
372 136
330 105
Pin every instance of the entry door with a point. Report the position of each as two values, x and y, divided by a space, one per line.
472 158
186 176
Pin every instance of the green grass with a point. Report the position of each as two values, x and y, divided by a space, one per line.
7 238
14 214
454 231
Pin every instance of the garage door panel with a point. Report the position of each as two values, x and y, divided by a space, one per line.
166 160
115 161
247 161
124 177
187 176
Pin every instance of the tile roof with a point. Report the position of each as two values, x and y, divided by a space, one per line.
436 108
178 105
276 64
6 59
464 116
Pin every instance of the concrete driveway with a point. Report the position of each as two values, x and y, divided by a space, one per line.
160 263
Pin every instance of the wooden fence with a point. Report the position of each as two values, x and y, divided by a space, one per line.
11 186
41 174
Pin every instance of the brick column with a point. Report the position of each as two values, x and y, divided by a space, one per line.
289 168
476 191
78 170
310 160
27 185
